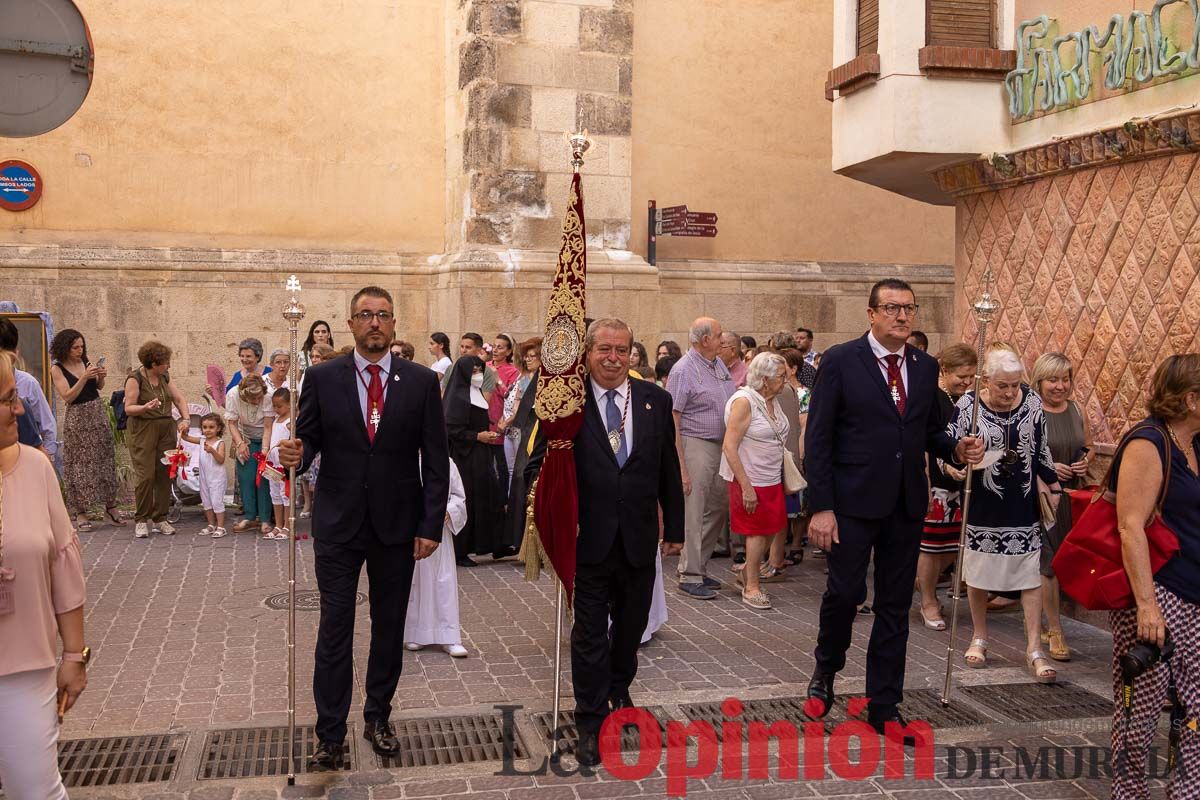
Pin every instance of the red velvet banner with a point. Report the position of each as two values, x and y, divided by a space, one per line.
560 397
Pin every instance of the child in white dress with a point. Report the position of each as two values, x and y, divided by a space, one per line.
281 402
433 602
213 478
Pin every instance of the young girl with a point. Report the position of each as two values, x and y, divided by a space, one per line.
281 401
320 353
212 472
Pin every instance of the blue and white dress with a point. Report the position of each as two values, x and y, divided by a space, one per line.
1004 538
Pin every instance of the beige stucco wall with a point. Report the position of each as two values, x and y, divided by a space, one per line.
730 116
270 123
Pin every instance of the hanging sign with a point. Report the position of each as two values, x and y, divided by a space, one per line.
20 185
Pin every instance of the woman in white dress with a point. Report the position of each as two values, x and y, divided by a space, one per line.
433 602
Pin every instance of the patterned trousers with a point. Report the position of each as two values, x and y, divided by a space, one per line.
1131 739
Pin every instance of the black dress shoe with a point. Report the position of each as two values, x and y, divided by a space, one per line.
329 757
466 561
587 752
617 702
382 737
820 690
504 552
889 717
720 554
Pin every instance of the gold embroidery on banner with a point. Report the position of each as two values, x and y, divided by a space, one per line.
560 390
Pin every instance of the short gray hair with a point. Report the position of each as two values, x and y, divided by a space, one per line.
279 351
1003 362
607 322
764 366
253 345
700 328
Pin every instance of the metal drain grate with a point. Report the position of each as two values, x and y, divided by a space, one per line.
119 760
776 709
543 721
306 600
1037 702
452 740
259 752
926 705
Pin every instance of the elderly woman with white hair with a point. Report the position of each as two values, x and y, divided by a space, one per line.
1004 525
756 431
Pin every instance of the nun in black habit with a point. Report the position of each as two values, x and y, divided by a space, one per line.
474 454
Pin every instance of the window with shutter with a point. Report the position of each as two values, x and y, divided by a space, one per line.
868 27
960 23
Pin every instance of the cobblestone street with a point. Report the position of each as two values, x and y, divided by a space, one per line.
186 642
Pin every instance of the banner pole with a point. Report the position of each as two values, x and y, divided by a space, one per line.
293 312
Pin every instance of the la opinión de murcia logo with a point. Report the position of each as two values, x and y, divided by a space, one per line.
852 750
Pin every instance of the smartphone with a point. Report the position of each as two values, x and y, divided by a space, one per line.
1082 454
100 363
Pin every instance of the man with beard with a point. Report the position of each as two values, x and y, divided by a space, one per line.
385 477
626 466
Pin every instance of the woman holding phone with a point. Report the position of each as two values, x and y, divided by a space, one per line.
1067 433
89 456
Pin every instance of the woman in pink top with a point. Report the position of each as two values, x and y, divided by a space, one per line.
41 600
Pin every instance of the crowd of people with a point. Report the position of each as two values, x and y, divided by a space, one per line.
767 447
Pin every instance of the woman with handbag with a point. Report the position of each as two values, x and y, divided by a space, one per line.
1158 474
753 461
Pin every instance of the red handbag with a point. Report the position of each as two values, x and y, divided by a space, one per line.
1089 564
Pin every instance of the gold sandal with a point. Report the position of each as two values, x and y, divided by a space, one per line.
1058 646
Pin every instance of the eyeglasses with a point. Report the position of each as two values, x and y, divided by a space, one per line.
365 317
893 310
12 401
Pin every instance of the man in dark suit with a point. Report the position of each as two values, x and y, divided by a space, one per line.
871 422
626 466
377 422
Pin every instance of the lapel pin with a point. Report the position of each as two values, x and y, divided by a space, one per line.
648 407
396 377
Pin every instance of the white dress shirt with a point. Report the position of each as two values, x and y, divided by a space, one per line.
601 395
364 379
881 354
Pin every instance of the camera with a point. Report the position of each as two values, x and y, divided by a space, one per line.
1144 655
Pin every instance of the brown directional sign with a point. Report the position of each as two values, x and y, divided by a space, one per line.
691 218
706 231
671 211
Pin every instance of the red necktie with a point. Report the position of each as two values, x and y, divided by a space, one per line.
896 383
374 399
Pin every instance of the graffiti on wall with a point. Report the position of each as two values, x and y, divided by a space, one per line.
1056 71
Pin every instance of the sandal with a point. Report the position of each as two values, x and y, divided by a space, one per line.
269 533
1043 672
113 514
281 534
793 558
205 531
978 651
243 526
219 532
84 525
758 600
771 574
935 624
1058 645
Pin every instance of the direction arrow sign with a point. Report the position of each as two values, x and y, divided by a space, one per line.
670 211
707 231
691 218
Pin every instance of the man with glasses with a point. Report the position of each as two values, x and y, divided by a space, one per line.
870 425
731 354
377 422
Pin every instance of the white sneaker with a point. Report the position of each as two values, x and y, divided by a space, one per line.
141 531
456 651
205 531
413 646
218 533
166 528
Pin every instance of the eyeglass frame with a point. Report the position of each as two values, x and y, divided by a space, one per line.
883 308
366 316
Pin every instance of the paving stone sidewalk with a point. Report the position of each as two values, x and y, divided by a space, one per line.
186 643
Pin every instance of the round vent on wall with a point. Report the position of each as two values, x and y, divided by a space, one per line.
46 60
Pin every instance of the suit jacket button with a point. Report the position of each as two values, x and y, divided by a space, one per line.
898 455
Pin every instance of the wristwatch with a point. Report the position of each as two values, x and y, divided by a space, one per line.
82 657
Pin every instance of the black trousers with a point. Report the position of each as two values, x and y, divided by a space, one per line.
896 542
389 573
604 662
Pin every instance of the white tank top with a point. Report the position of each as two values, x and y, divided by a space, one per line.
761 450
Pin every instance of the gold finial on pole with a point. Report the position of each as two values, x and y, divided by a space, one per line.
293 312
986 308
